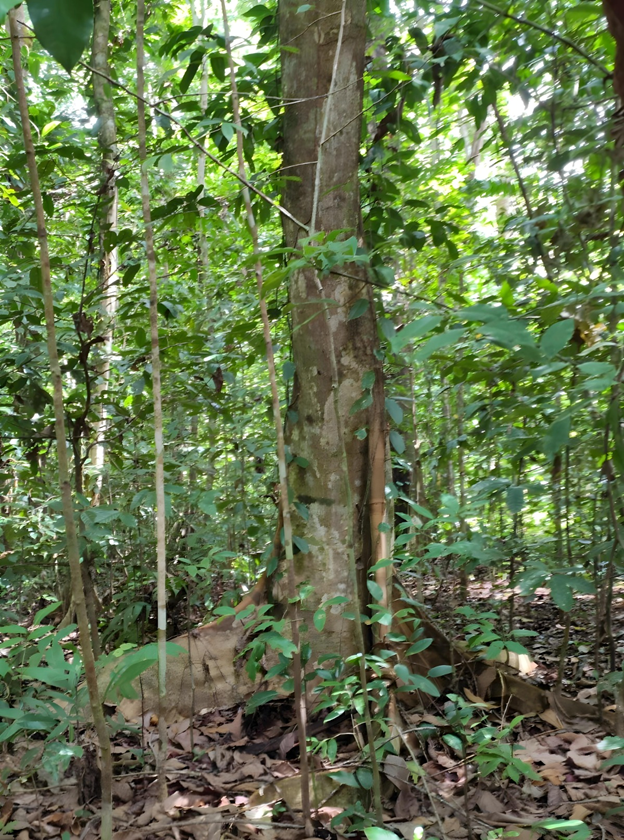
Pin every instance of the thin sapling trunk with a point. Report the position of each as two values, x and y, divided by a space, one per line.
73 551
159 478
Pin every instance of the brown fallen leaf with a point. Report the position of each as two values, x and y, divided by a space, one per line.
395 768
474 698
579 812
485 680
551 717
585 758
122 790
407 805
488 803
554 773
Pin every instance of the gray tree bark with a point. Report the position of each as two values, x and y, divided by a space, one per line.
321 428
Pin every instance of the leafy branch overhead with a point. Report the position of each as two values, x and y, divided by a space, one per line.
63 27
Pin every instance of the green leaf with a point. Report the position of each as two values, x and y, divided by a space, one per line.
368 380
614 761
440 671
556 337
373 832
358 309
394 410
556 437
581 831
419 646
337 599
42 613
611 742
5 8
508 333
191 70
398 444
387 328
562 592
63 28
375 589
424 685
217 62
301 544
345 778
278 642
438 342
206 503
319 618
514 499
415 330
365 401
259 699
288 370
597 369
454 742
365 777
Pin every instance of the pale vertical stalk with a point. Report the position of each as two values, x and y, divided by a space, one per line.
107 139
461 461
199 19
376 436
159 478
293 608
73 551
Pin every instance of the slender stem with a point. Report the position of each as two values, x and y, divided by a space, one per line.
73 551
159 477
293 606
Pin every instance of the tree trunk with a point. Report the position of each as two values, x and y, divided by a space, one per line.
327 42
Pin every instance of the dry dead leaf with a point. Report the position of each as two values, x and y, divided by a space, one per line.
579 812
554 773
474 698
407 805
555 797
485 680
397 771
452 827
488 803
551 717
122 790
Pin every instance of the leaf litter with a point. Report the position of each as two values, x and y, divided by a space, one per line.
232 775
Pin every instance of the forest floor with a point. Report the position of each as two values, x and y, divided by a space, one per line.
233 775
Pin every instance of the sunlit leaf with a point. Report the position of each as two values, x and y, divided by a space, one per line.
63 27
